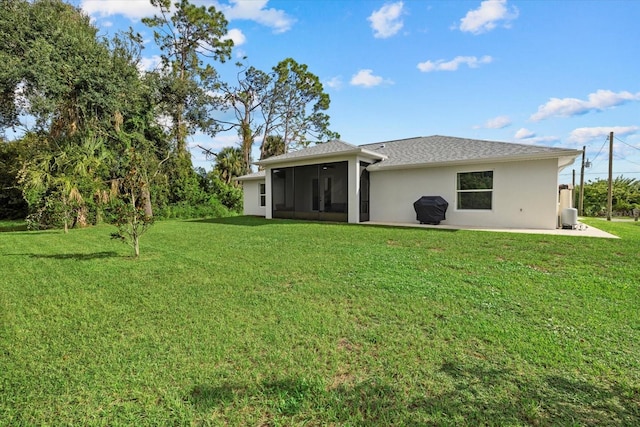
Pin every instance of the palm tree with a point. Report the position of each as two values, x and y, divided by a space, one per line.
273 146
44 175
63 173
230 164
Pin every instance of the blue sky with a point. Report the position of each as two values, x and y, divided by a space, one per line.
556 73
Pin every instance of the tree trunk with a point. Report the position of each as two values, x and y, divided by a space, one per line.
146 200
247 143
136 245
66 215
81 217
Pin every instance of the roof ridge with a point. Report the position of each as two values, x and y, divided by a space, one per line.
521 144
395 140
334 146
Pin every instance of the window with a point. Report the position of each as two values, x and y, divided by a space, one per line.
475 190
263 192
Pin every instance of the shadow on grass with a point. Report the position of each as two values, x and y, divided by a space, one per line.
471 392
369 402
247 221
253 221
77 257
483 393
23 230
601 405
13 228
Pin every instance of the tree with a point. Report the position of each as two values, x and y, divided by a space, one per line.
245 100
229 164
295 105
53 70
626 195
188 36
273 146
128 200
12 204
288 103
59 182
79 90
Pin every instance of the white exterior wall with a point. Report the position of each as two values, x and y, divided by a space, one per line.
525 194
251 198
269 201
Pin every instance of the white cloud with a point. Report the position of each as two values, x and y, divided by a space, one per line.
20 98
546 140
134 10
215 144
334 82
149 63
584 135
454 64
367 79
529 137
387 21
523 133
598 101
499 122
199 157
236 35
164 121
486 17
256 10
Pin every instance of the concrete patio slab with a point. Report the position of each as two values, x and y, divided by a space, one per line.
582 230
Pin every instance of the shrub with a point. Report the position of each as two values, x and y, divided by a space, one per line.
212 208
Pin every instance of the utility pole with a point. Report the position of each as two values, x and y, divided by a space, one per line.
581 198
610 191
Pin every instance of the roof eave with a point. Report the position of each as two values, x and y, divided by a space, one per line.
372 154
252 177
356 151
500 159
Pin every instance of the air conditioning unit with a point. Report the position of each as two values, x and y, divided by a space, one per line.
569 218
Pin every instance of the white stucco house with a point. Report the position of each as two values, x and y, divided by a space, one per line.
486 183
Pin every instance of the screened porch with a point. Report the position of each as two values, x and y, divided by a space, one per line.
311 192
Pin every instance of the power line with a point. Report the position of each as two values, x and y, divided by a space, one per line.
600 173
618 156
624 159
627 144
603 144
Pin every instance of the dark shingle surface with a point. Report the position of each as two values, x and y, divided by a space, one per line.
426 150
252 176
332 147
446 149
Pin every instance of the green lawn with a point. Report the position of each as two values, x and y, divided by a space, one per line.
244 321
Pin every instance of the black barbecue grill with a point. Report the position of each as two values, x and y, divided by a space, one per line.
430 209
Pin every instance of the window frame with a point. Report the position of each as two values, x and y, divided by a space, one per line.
490 190
262 194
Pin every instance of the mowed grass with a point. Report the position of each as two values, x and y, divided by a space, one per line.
244 321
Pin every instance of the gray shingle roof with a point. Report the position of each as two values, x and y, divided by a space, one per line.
428 151
251 176
446 149
319 150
